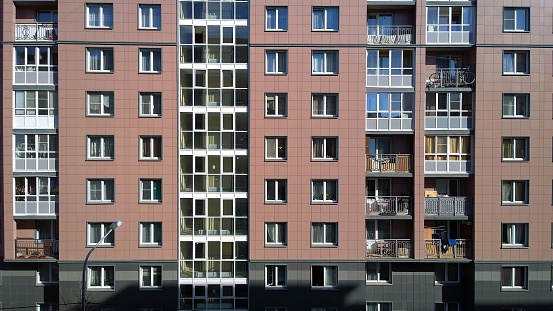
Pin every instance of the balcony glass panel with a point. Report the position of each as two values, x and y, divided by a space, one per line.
389 67
446 111
447 154
389 111
452 25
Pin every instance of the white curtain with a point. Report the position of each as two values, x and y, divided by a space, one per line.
271 19
508 62
94 60
318 19
271 62
146 61
318 62
93 16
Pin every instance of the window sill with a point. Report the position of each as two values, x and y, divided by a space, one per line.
515 160
99 115
149 116
150 160
150 202
276 202
378 283
515 117
515 74
513 289
100 289
276 30
324 117
515 31
324 160
100 159
275 160
153 245
99 27
47 284
149 72
446 283
514 204
276 287
324 202
275 245
324 30
276 73
324 245
148 28
315 74
508 246
99 71
101 245
324 287
99 203
150 289
275 116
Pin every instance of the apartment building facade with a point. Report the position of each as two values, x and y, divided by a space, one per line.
278 155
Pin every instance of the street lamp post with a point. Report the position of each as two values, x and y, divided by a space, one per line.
112 227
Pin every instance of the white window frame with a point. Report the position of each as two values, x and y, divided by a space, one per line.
515 143
515 55
516 10
273 275
327 284
149 104
31 105
326 18
274 186
36 146
281 66
104 67
513 286
147 12
329 237
515 98
104 10
323 98
152 228
325 152
281 233
28 189
150 144
109 241
107 100
449 155
105 185
104 152
103 279
152 55
379 306
277 143
155 275
380 275
445 267
277 11
278 99
152 184
380 110
510 235
325 196
50 277
329 67
375 59
512 186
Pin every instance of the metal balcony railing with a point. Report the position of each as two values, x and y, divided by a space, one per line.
451 77
448 248
448 206
36 248
388 163
388 205
389 34
394 248
36 32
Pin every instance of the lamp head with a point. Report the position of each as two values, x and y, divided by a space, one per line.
115 224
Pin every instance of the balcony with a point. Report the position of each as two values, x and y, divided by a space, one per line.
388 206
388 163
36 32
448 248
448 206
32 209
451 78
36 249
389 248
389 35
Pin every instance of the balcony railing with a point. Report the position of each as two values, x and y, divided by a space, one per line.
48 206
394 248
33 248
388 206
36 32
451 77
389 34
388 163
448 248
447 166
448 206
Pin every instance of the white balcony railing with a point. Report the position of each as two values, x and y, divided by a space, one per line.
36 32
389 34
449 34
445 166
47 206
388 205
448 248
391 248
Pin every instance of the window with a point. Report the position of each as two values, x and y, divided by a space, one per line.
150 276
516 62
324 234
99 60
26 190
448 148
150 147
150 104
325 18
445 273
150 190
35 64
275 190
100 191
275 233
514 235
150 233
100 147
276 105
101 277
515 148
447 306
276 62
149 16
99 15
514 277
324 191
396 106
277 18
47 273
324 62
514 191
275 148
45 307
516 105
275 276
36 103
516 19
325 148
99 103
325 105
379 306
35 146
324 276
96 230
150 60
379 272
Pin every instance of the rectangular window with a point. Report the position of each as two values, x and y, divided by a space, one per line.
379 306
47 273
276 233
516 105
100 104
276 105
100 147
100 191
325 105
276 18
514 235
325 148
99 60
150 276
275 276
276 62
99 15
445 273
150 60
324 191
325 19
101 277
516 62
514 277
275 190
149 16
150 147
379 272
324 276
514 191
324 233
36 103
32 189
324 62
150 233
150 191
516 19
396 106
96 230
447 148
275 148
150 104
515 148
35 146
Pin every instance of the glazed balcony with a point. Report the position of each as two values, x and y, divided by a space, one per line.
36 32
445 206
389 35
389 248
388 163
451 78
448 248
36 248
388 206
